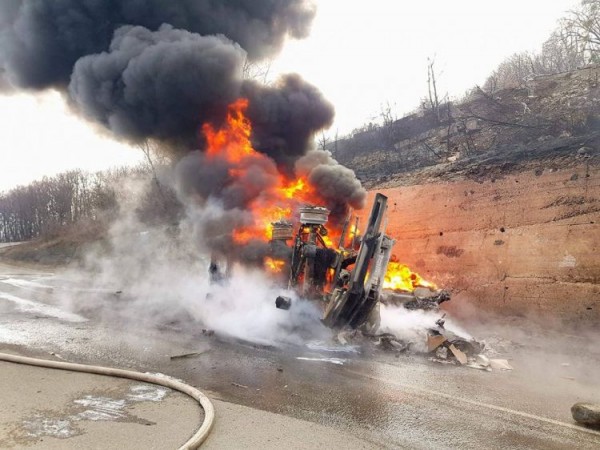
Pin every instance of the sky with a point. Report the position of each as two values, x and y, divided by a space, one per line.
363 55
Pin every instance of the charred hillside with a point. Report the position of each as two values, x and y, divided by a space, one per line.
550 119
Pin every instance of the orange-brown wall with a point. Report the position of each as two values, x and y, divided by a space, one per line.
546 261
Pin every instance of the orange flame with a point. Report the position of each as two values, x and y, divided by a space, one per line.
400 277
274 265
273 202
233 140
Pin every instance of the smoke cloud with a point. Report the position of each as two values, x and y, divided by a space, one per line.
285 116
162 278
43 39
337 184
157 70
160 84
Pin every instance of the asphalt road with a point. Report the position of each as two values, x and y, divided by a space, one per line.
387 400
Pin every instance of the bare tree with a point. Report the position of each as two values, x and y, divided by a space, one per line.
434 101
583 24
388 132
258 71
323 141
335 150
562 52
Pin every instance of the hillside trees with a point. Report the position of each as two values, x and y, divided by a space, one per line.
74 198
574 44
582 25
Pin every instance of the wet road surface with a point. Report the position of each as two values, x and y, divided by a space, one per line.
393 402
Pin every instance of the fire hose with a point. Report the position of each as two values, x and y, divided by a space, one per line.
209 411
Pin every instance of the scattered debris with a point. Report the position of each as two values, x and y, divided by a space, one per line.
342 337
500 364
421 298
388 342
427 300
434 341
282 302
441 322
239 385
495 345
586 413
481 362
199 350
56 355
346 337
441 361
186 355
441 353
460 356
208 332
338 361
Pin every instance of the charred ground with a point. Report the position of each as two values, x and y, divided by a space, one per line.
552 121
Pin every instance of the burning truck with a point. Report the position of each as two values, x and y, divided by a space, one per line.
348 277
301 231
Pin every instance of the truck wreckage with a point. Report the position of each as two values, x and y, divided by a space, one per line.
347 280
356 275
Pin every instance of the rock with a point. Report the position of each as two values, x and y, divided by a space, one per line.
586 413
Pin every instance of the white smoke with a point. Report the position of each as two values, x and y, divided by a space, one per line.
159 276
412 325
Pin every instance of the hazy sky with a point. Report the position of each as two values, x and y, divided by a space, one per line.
361 54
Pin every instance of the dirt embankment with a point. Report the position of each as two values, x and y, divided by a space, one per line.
524 244
68 248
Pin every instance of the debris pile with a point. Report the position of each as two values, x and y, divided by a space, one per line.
420 298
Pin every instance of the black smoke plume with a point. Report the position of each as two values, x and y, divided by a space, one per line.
285 116
154 69
43 39
158 69
158 84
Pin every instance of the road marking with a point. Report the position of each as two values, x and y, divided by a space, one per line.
30 306
483 405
